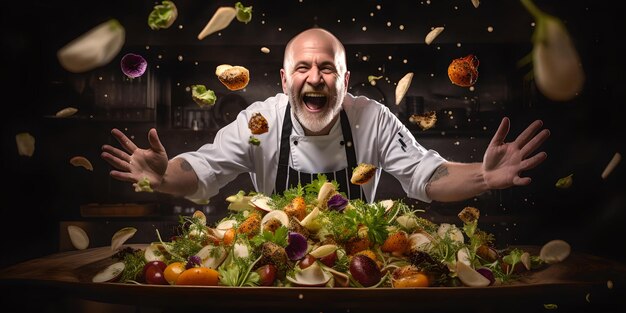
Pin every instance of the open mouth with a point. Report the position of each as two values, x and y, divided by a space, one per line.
314 101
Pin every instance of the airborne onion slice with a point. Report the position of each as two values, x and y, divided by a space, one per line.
220 20
433 34
95 48
25 144
403 86
81 161
121 236
78 237
133 65
66 112
556 65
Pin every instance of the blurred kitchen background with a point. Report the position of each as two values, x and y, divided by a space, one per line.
44 193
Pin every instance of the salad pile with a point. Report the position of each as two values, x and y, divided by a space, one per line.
313 236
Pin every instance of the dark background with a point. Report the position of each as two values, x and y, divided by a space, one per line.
44 192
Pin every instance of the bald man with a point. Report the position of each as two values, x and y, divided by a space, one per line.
316 126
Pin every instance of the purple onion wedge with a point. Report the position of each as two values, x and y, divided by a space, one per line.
337 202
133 65
297 247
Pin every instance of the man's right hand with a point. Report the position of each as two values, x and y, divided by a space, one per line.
134 164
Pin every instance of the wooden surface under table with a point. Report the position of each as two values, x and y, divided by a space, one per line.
581 283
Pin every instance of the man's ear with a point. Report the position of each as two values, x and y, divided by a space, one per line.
346 79
283 81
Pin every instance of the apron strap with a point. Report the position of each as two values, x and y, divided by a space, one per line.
355 190
283 159
283 173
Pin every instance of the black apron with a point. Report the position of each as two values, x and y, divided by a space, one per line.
287 177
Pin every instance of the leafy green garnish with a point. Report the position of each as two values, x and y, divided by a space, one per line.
163 15
238 273
143 185
133 266
203 96
278 237
254 141
244 14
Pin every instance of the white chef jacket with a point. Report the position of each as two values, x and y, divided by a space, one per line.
379 138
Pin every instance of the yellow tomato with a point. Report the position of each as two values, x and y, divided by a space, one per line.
198 276
414 280
172 271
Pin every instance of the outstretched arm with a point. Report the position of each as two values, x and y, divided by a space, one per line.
501 168
133 165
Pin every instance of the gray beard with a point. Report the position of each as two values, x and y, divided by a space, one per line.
310 123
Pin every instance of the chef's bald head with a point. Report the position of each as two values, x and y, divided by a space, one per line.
324 40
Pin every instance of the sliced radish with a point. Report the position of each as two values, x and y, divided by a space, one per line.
554 251
110 274
121 236
281 216
261 202
78 236
470 277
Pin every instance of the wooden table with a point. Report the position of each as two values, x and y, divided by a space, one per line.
582 283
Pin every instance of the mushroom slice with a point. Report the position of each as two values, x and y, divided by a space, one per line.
277 214
387 204
81 161
463 255
154 252
326 191
403 87
340 278
470 277
67 112
78 236
121 236
200 216
323 251
261 202
433 34
110 274
240 250
419 242
451 231
212 256
223 226
25 144
220 20
312 276
554 251
308 221
407 221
